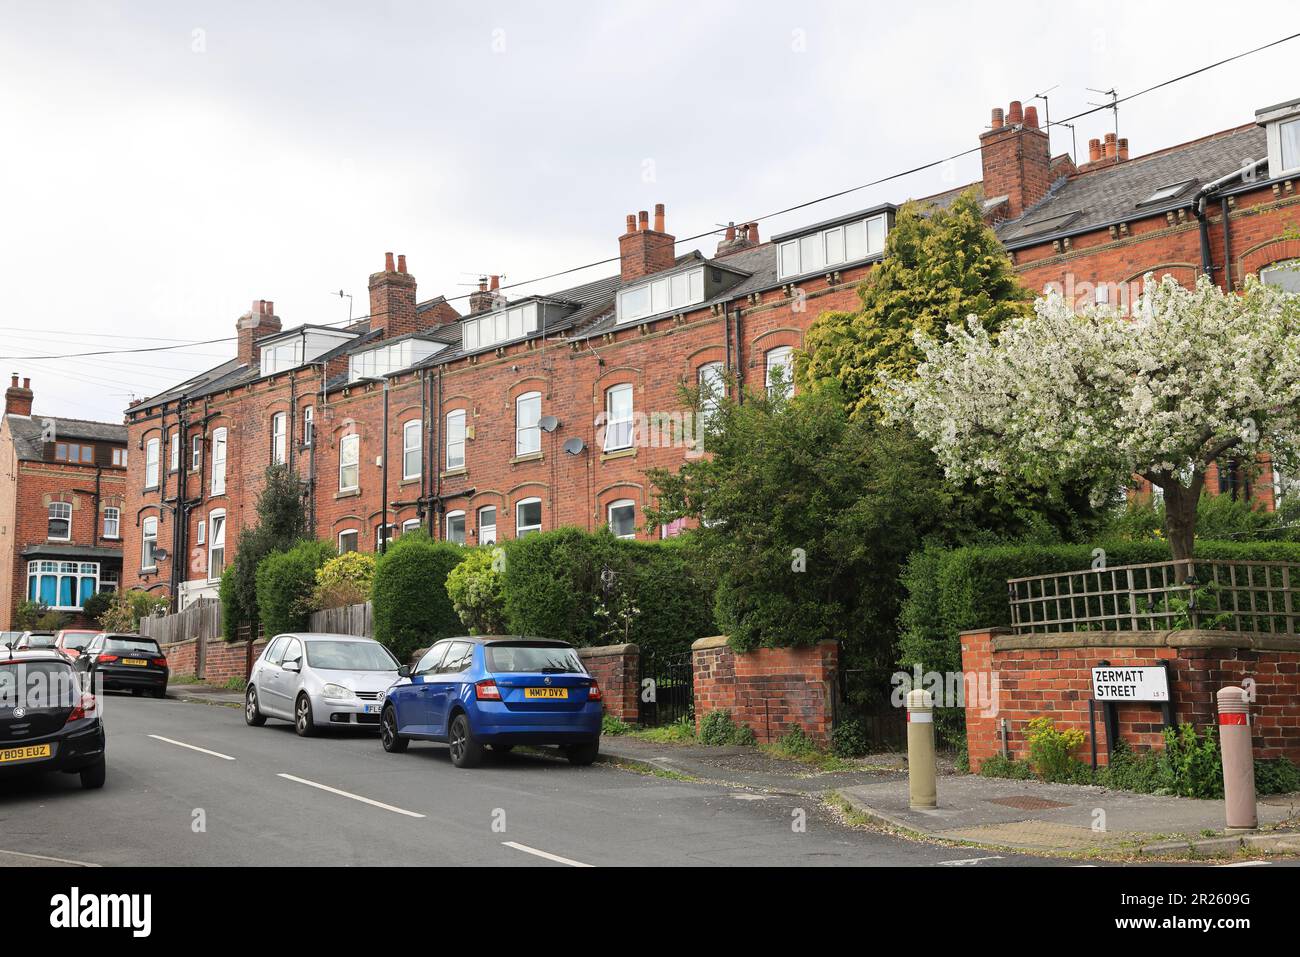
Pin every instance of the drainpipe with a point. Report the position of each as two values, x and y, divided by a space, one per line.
1227 244
1198 209
740 361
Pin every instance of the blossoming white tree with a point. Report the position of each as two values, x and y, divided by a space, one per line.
1192 377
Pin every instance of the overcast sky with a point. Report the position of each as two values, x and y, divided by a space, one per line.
164 164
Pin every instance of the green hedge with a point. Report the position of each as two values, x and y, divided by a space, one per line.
954 590
554 586
409 594
285 581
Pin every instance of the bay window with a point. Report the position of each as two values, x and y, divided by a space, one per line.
62 586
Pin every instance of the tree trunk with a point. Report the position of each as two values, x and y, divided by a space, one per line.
1180 520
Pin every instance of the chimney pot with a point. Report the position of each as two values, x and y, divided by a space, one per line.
1015 115
997 118
1111 147
631 222
1031 117
1094 150
27 382
1123 148
643 221
731 232
388 262
496 283
14 380
753 233
659 217
401 262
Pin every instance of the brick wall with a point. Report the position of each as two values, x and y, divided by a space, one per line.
1052 675
772 690
223 660
617 669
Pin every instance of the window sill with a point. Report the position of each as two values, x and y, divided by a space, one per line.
618 454
347 493
453 473
409 481
149 571
529 457
150 488
111 538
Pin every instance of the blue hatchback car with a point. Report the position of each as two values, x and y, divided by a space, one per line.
477 691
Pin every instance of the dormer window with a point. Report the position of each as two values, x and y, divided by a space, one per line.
1283 125
385 360
670 293
835 245
501 325
289 350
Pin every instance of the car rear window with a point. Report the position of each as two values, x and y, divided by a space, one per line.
38 684
546 659
40 641
143 646
77 639
349 656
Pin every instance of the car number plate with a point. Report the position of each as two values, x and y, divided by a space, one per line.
31 753
372 709
546 692
135 662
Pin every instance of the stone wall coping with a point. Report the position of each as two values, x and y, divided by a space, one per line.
995 631
714 641
600 651
1179 638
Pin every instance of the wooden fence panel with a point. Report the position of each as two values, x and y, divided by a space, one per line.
348 620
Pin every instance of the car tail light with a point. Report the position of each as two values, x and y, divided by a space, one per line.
487 690
594 694
106 658
160 662
86 706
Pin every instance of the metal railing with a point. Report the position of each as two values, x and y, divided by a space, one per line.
1248 597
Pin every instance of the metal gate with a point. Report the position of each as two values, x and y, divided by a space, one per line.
667 688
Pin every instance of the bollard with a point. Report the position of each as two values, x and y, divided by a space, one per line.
920 749
1238 759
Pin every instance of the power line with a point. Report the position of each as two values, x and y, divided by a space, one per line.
758 219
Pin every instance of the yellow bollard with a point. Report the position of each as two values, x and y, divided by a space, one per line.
1238 759
920 749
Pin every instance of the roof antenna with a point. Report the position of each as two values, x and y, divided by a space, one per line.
1113 105
348 296
1047 114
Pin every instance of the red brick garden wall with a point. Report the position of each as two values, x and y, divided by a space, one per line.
617 669
1052 675
223 660
772 690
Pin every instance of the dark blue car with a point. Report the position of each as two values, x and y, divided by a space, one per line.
473 692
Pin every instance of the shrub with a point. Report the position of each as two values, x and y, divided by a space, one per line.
28 614
796 742
1051 750
281 521
228 595
284 585
849 739
411 606
1194 767
717 728
344 580
1128 771
476 593
98 603
1278 776
128 608
611 726
999 766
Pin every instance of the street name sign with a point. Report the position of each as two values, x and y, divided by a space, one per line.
1130 684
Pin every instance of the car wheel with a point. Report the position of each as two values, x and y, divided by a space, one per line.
303 722
93 777
582 754
160 692
465 751
252 713
393 742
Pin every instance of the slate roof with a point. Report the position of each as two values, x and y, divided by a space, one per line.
27 433
1111 194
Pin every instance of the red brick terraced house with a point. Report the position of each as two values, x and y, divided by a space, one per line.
546 410
62 484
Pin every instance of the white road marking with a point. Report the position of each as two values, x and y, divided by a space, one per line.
1247 864
46 857
550 857
349 794
752 797
969 861
192 747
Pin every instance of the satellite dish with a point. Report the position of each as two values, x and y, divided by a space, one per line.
574 446
548 423
160 554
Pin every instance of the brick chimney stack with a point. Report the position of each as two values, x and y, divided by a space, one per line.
18 399
1016 157
259 321
644 251
392 299
744 236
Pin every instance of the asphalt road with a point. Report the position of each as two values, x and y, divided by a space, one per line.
190 784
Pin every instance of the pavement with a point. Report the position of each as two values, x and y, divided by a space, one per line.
190 784
1066 818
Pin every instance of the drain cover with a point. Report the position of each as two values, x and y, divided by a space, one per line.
1025 802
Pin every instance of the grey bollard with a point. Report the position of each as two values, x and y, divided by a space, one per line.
920 750
1238 759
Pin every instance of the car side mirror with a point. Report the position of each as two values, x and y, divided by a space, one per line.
404 671
294 665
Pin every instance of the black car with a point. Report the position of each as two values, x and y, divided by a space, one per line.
126 662
47 722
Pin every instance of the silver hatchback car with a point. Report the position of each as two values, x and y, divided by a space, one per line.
317 681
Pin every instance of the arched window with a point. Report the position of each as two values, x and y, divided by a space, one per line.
528 435
456 439
780 371
412 448
528 516
219 461
279 437
151 463
148 542
622 518
456 527
349 463
487 525
1285 276
618 417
